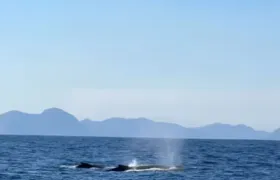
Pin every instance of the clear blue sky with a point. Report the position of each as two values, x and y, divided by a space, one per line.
50 47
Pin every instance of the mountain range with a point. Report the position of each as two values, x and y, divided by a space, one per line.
55 121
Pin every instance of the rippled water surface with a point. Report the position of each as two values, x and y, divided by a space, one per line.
39 157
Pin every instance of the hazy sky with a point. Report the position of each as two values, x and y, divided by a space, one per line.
190 62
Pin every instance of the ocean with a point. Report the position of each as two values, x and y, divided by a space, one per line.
54 157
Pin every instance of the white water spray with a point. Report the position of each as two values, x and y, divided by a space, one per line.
170 152
133 163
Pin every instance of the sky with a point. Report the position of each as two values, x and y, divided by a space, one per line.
189 62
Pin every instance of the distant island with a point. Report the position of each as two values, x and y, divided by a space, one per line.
55 121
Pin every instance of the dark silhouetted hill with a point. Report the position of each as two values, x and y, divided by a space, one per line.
55 121
52 121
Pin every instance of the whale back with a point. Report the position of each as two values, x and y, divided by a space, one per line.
84 165
87 165
120 167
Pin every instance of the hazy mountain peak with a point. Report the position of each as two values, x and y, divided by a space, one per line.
53 110
56 114
13 113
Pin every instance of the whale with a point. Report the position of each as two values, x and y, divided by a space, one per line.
87 165
122 167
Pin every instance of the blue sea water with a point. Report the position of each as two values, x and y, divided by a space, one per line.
50 157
